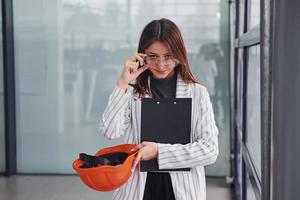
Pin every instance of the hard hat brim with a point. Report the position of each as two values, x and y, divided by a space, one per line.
107 177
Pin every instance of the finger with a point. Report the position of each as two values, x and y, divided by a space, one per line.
132 69
141 57
131 63
137 147
134 57
142 54
138 57
141 69
136 161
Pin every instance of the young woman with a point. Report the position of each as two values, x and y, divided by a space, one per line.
160 69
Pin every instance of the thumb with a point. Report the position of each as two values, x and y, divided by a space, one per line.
141 69
136 161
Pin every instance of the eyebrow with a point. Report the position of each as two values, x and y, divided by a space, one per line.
157 54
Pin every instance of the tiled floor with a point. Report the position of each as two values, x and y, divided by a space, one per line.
71 188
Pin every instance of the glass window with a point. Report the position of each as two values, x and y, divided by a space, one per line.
2 124
253 124
241 16
254 13
69 54
250 190
240 88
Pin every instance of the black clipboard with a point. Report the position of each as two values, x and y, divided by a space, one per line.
165 120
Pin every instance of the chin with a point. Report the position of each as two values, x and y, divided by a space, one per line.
162 75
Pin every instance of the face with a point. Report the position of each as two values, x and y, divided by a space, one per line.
161 60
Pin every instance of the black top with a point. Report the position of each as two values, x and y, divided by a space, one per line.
161 88
158 184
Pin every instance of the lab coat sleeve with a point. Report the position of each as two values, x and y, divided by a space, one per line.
202 151
117 114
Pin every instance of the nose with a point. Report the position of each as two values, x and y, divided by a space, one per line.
161 63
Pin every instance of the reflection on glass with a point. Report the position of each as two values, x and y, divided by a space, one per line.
211 61
250 193
254 13
70 53
241 16
253 124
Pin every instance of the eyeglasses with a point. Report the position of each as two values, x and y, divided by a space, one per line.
153 59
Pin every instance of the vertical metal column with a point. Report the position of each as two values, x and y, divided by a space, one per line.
9 86
266 93
286 83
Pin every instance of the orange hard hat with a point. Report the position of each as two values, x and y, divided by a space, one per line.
107 177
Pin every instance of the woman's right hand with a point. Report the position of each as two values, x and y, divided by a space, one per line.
131 70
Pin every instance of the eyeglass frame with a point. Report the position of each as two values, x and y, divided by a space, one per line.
158 59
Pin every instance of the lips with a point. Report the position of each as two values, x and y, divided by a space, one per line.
161 71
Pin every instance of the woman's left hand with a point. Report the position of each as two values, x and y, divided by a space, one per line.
146 151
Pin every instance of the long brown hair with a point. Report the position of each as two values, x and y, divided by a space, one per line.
165 31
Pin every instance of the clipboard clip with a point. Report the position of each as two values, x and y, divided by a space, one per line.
159 102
